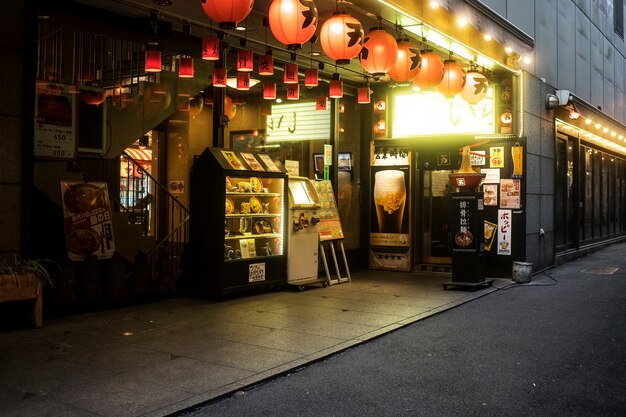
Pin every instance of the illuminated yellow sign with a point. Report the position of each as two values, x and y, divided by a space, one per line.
429 113
298 121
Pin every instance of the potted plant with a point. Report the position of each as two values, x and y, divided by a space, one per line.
23 280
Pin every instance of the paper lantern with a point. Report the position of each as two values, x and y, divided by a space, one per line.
311 78
341 37
335 89
266 64
431 73
185 67
220 76
379 52
230 109
475 88
269 91
291 74
244 60
380 127
227 13
363 95
453 78
293 22
293 91
321 104
153 61
408 62
243 81
210 48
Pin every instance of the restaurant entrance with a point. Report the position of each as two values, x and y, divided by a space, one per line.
433 215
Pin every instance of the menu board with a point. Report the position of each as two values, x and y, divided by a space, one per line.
55 121
329 227
88 223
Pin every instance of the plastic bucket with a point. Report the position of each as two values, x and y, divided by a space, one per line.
522 271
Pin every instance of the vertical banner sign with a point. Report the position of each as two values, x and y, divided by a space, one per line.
55 121
328 160
464 226
504 232
517 152
88 224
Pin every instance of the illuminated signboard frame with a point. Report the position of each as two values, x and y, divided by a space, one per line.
429 113
298 121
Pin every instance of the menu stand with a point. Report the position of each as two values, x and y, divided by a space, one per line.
331 245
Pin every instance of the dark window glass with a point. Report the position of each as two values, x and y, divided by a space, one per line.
618 17
588 194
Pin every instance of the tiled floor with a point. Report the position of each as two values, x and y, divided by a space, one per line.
159 358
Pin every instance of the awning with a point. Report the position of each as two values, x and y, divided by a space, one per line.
139 154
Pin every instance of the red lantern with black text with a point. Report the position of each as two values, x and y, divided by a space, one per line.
453 78
291 74
408 62
321 104
475 88
379 52
431 73
341 37
153 61
220 76
227 13
311 78
185 68
363 95
210 48
269 91
293 91
243 81
335 89
266 64
293 22
244 60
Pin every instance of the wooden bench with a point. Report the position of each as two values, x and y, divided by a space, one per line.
23 287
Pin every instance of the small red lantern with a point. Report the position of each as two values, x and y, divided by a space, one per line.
431 73
380 127
244 60
185 68
293 91
475 88
379 53
269 91
210 48
321 104
408 63
311 78
227 13
291 74
363 95
220 76
153 61
243 81
335 90
266 63
341 37
453 78
293 22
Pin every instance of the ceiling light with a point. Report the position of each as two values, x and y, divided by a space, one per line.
508 49
461 21
606 129
232 82
487 37
598 125
613 134
434 5
588 121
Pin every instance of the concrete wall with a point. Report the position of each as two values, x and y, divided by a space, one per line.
12 49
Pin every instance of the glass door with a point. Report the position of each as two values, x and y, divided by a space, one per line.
435 192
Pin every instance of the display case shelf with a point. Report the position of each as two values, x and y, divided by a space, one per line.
261 236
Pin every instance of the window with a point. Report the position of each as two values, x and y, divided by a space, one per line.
618 17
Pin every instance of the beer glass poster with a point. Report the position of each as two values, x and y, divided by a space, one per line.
390 217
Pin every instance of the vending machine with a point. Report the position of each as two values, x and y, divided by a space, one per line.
303 238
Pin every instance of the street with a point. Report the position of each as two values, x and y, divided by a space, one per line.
554 347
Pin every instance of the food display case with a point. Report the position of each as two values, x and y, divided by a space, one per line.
304 203
237 228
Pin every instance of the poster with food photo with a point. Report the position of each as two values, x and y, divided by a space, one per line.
510 193
88 223
490 192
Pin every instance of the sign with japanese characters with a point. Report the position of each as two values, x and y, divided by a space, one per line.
55 121
464 233
505 221
88 223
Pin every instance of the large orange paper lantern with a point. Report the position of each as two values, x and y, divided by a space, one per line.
453 78
293 22
475 88
408 62
379 52
341 37
227 13
431 73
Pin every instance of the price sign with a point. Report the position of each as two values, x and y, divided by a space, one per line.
55 121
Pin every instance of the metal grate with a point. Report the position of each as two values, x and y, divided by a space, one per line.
600 270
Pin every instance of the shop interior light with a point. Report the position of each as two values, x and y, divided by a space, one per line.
232 82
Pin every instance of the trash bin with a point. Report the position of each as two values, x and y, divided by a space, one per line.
522 271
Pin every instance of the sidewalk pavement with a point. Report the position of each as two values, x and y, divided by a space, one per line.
159 358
